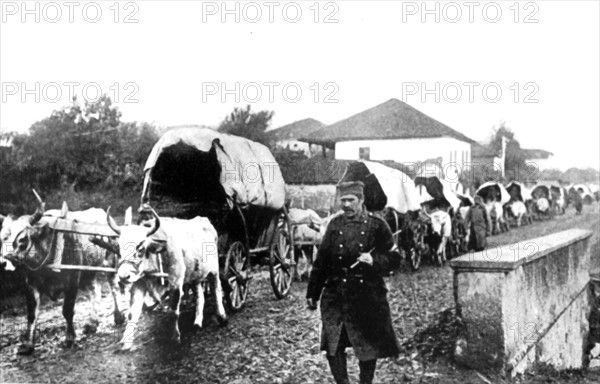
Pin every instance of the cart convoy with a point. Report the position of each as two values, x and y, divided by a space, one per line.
213 206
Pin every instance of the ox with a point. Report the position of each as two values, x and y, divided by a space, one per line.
517 210
306 232
29 244
531 211
543 208
185 249
496 217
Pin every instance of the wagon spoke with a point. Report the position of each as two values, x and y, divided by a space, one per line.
237 275
281 263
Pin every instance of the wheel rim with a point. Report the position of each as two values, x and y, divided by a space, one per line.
237 275
415 258
281 265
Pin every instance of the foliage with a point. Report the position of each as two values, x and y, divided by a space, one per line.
290 162
515 161
572 175
248 124
79 146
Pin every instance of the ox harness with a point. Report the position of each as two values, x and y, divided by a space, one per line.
59 227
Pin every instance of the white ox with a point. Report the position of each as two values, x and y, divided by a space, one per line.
185 249
517 209
496 217
306 232
542 206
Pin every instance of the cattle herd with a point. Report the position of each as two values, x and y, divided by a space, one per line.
156 253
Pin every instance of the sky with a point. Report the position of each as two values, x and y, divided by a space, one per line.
470 65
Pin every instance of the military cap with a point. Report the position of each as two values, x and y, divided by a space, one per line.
352 188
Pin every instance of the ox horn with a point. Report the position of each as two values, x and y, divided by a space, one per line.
156 225
37 196
37 215
111 223
39 212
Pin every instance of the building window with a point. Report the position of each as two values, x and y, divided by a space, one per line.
364 153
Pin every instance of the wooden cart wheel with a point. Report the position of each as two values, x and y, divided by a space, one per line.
416 253
441 257
421 248
236 273
281 263
414 257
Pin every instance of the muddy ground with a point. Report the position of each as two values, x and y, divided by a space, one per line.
269 341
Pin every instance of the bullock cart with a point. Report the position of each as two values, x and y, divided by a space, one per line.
460 243
558 195
237 184
435 191
307 232
544 199
495 196
519 207
584 191
392 194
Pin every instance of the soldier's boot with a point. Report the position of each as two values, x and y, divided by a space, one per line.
367 371
338 367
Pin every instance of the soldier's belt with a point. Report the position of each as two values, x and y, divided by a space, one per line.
346 273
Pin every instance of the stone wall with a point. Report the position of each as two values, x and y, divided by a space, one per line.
524 305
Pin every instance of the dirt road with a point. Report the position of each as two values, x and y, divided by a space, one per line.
269 341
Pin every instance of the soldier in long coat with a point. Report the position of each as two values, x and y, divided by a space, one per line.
355 253
478 225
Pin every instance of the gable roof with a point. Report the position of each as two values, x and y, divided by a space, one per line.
393 119
295 130
484 150
536 153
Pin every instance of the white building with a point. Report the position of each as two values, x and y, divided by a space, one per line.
286 137
540 159
394 131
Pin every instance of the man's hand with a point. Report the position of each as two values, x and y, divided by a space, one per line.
311 304
365 258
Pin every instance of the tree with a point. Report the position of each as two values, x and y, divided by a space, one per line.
515 161
248 124
81 145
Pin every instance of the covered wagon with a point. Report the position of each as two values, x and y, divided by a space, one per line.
495 196
237 184
519 207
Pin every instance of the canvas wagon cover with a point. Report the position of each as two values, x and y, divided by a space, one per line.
248 170
432 185
523 190
504 195
398 189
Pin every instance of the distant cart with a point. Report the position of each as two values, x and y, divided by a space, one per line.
519 192
433 188
237 184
